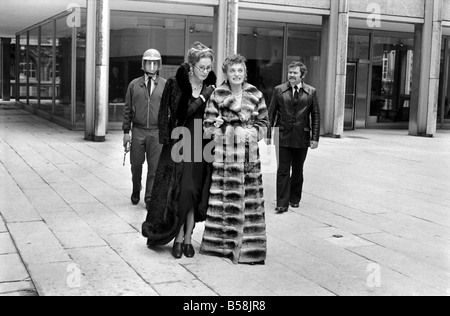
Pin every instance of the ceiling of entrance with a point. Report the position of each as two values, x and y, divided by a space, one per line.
17 15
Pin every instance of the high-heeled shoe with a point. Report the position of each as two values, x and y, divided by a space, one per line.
189 251
177 250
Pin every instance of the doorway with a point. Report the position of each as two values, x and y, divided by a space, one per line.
444 88
350 97
357 96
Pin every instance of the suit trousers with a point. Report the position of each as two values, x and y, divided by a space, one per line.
144 144
290 175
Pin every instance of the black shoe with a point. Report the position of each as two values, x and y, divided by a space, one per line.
281 210
189 251
294 205
177 250
136 198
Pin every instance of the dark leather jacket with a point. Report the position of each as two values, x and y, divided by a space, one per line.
298 122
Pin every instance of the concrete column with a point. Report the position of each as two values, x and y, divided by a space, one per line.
97 69
334 68
233 23
427 57
226 20
220 32
5 69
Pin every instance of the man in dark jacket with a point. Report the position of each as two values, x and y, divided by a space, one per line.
294 109
140 116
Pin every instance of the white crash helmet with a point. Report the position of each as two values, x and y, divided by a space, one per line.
151 55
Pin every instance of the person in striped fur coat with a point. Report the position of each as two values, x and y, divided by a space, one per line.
237 116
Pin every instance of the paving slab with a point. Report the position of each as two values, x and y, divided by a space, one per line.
6 244
11 268
36 243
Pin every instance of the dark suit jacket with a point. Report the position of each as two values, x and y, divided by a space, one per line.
298 121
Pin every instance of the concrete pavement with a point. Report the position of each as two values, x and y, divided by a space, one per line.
374 221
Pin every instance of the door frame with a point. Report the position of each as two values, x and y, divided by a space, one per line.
446 77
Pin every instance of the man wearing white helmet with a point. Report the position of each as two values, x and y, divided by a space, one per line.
140 117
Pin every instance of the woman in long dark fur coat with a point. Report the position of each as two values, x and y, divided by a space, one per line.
183 178
238 117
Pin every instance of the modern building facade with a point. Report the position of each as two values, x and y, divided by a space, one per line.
376 64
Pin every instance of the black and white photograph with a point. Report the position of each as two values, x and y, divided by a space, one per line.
226 153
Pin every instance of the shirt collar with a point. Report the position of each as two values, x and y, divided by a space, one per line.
147 77
300 86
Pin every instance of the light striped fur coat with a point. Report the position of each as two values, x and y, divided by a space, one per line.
235 224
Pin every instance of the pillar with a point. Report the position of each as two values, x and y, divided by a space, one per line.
427 57
5 69
97 69
226 20
334 68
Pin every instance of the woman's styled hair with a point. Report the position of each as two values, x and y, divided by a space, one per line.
303 68
232 60
199 51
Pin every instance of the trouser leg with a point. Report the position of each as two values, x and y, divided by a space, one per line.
153 149
299 157
137 158
284 177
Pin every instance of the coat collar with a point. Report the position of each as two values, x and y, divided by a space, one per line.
288 87
182 78
246 88
142 80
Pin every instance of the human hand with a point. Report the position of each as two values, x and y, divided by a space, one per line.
240 134
208 92
314 145
251 135
219 122
126 142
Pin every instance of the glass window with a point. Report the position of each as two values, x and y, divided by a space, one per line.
46 67
444 87
81 71
391 79
12 69
304 46
263 47
358 47
132 34
201 30
32 67
23 67
63 75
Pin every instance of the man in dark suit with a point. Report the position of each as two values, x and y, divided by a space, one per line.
294 109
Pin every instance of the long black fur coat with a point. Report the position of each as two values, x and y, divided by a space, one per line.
164 219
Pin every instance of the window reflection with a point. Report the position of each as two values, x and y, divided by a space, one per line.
23 67
304 46
46 67
391 79
444 87
131 35
263 48
63 73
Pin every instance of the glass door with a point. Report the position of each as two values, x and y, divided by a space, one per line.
444 94
350 97
391 80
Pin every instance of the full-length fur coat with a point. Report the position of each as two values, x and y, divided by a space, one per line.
164 219
235 224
